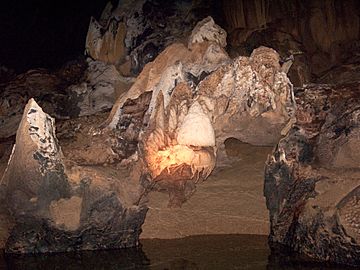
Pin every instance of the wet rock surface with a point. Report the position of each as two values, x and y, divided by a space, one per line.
167 128
94 182
312 177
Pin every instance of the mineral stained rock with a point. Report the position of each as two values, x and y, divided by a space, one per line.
133 33
55 206
195 98
312 178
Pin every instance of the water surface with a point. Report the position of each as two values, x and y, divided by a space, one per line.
195 252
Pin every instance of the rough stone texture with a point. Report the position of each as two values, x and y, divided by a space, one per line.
207 30
312 177
292 52
135 32
249 98
79 88
165 133
98 90
56 206
15 94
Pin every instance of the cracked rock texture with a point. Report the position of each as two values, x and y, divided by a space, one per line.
312 178
297 29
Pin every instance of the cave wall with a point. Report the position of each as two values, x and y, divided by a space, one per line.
323 33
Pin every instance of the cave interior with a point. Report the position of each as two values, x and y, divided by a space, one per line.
129 121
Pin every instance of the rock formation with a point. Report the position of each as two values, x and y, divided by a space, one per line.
196 98
312 178
55 206
79 88
165 133
134 32
167 128
296 27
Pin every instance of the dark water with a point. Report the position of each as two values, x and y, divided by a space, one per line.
196 252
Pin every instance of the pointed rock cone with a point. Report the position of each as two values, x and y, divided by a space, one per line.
57 209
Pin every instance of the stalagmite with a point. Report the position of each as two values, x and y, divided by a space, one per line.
55 207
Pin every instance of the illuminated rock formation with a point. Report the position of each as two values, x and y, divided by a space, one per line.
165 133
312 178
199 98
56 207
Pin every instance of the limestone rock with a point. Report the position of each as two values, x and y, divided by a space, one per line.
56 207
243 42
15 93
170 82
79 88
137 31
169 68
106 43
207 30
312 178
97 92
250 99
290 26
196 121
191 101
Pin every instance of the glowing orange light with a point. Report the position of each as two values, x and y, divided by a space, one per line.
171 156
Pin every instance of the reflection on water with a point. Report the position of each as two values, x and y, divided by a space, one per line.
196 252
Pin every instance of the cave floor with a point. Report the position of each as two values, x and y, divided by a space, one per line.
230 201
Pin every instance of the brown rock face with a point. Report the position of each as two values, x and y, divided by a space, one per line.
55 207
312 177
133 33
